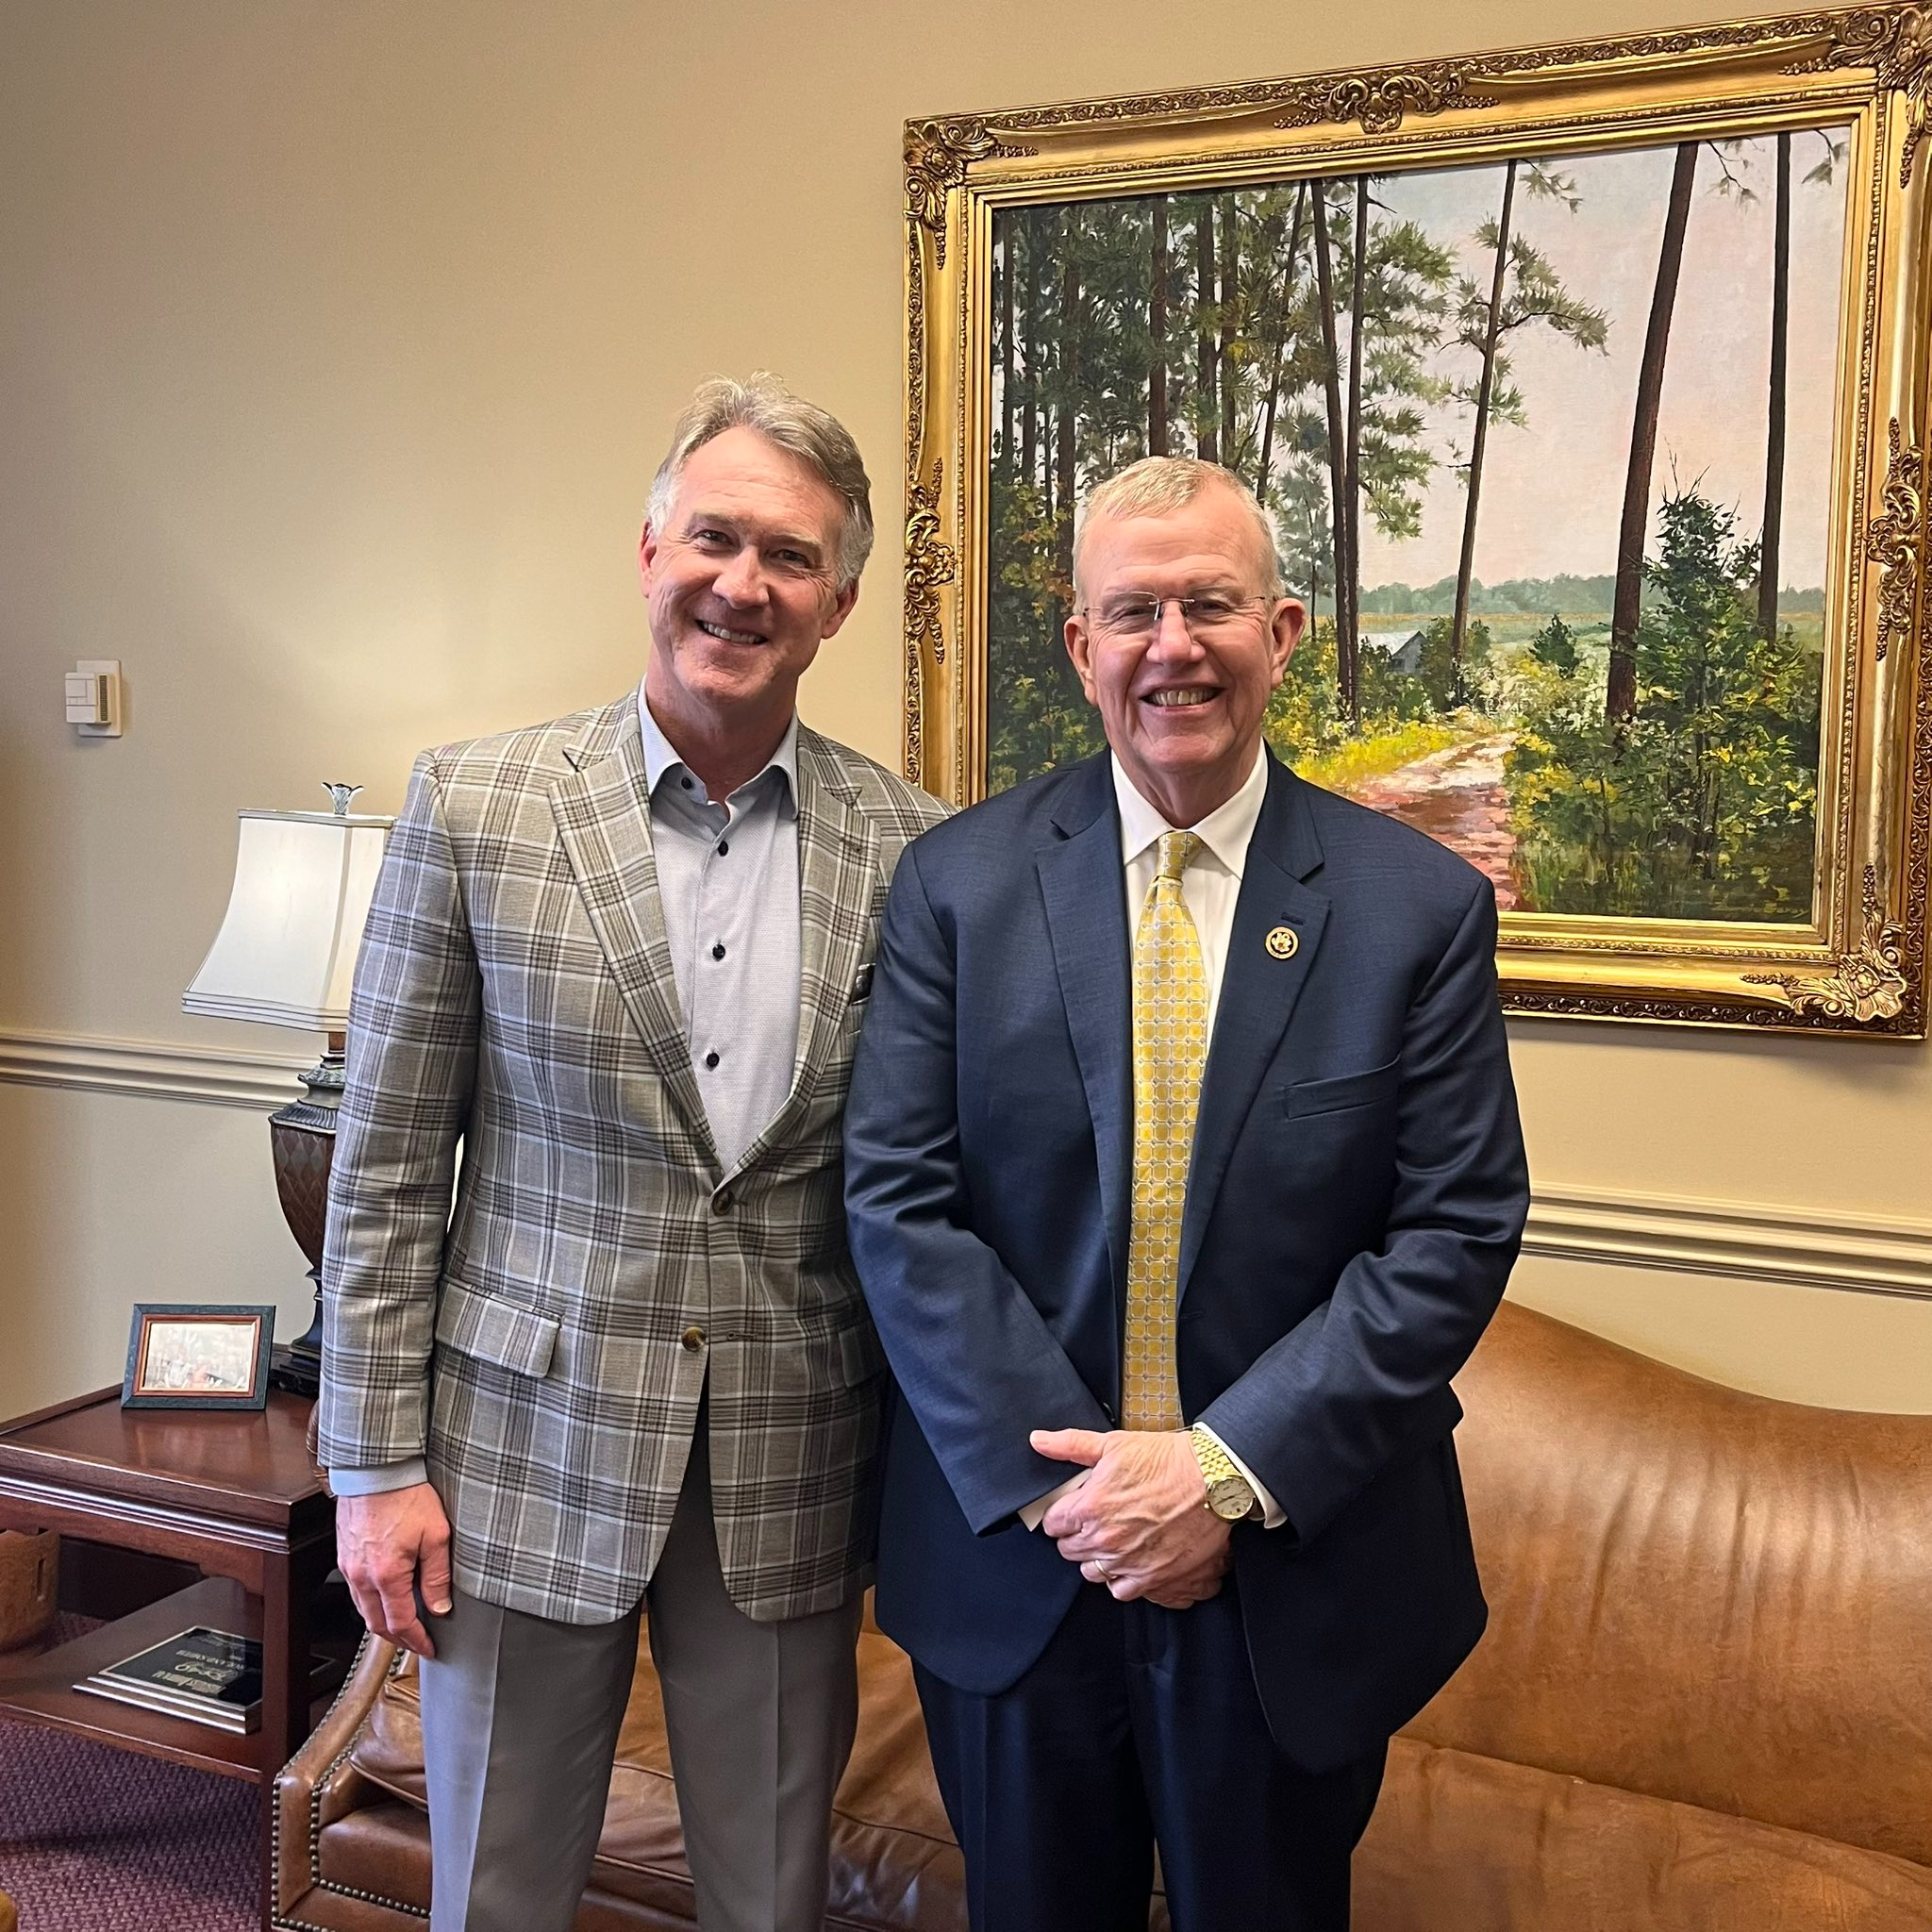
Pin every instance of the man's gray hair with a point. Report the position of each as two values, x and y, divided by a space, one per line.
817 439
1158 486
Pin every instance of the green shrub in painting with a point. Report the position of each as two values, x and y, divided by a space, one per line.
1556 645
1704 803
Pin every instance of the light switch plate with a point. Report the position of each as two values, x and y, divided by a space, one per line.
109 670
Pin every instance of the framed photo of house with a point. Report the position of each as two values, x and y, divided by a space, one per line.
1588 387
198 1356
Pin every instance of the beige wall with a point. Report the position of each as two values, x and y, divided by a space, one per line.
336 343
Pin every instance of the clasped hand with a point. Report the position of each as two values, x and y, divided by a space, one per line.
1139 1524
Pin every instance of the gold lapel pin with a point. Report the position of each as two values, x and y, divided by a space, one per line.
1282 943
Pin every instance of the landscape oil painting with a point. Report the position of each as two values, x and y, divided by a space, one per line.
1548 444
1586 387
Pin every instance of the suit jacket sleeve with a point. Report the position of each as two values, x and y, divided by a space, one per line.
973 1356
413 1023
1362 1381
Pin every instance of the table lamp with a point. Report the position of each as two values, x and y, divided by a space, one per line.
285 954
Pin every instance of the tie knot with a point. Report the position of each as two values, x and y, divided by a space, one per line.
1178 850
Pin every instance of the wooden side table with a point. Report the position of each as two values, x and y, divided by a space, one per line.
235 1493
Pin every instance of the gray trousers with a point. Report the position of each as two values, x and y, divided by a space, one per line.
520 1718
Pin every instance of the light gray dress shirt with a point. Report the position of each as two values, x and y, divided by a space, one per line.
728 876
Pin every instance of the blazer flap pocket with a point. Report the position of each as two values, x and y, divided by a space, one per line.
1344 1089
494 1330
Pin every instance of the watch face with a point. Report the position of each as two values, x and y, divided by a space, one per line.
1230 1498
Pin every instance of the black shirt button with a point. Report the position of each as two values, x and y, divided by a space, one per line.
710 1059
724 847
686 783
721 1203
717 952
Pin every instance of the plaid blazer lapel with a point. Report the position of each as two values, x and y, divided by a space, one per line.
839 898
602 819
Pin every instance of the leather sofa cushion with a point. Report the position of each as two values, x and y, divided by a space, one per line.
388 1750
1461 1840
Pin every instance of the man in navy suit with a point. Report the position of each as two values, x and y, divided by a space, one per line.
1183 1173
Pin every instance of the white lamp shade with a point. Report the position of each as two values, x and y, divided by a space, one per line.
287 948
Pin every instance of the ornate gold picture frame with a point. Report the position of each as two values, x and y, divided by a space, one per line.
1589 387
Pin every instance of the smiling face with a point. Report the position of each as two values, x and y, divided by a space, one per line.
742 586
1183 714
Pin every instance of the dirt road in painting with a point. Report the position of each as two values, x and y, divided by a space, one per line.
1459 797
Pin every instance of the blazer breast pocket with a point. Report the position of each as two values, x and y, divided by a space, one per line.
1366 1088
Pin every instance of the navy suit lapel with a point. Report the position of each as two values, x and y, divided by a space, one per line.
1081 882
1258 991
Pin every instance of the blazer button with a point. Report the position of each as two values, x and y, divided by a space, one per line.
722 1204
694 1338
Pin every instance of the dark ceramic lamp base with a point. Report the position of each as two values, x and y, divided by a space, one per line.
302 1135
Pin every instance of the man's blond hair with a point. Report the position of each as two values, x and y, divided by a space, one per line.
763 403
1158 486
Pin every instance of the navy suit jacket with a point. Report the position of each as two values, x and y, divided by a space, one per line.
1355 1202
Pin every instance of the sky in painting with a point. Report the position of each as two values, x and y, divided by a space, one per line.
1553 490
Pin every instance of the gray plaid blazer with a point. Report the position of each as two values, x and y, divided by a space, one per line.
515 993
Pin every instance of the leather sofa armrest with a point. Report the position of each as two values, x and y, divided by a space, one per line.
319 1784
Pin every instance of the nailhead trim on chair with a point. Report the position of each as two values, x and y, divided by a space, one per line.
317 1881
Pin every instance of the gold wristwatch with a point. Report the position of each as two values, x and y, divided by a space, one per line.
1230 1494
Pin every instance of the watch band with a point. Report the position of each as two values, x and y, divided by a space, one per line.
1223 1478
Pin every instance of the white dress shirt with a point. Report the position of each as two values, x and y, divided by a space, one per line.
1209 888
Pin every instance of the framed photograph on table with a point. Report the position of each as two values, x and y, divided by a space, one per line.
1588 387
198 1356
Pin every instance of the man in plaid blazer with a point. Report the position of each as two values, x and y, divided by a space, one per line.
622 959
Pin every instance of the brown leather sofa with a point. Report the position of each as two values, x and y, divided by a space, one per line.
1704 1703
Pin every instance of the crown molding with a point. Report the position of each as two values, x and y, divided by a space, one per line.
153 1068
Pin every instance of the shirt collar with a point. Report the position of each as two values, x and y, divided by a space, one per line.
1225 831
661 756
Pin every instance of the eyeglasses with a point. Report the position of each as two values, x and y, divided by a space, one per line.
1207 617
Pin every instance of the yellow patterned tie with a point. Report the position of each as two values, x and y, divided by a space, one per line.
1170 1050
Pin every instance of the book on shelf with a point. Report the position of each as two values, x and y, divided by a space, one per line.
208 1677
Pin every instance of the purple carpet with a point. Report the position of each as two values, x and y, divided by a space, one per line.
94 1839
